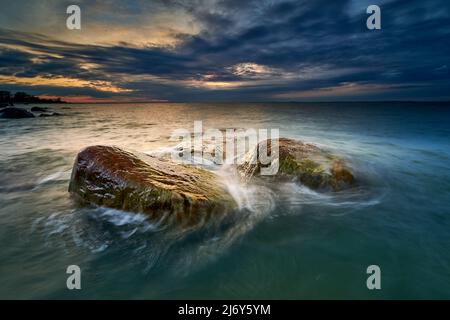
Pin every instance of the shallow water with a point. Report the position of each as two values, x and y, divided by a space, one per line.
286 241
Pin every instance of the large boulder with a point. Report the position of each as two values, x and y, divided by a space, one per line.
115 178
15 113
303 162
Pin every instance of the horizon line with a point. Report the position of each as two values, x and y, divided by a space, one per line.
269 101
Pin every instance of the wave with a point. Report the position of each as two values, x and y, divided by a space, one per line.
153 243
120 218
54 177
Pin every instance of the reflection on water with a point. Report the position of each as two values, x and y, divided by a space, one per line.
284 240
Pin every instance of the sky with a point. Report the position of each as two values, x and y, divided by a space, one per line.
226 50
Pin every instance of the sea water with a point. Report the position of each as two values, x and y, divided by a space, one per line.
285 241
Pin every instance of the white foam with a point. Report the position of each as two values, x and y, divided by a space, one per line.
120 218
257 199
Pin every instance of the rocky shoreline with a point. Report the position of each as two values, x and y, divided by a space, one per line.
7 112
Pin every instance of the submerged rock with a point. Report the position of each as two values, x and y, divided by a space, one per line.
115 178
39 109
310 165
15 113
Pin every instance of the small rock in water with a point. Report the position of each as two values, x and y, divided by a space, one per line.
115 178
15 113
39 109
310 165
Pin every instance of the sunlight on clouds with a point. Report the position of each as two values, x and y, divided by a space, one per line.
250 74
89 66
254 71
142 36
60 81
341 90
206 82
214 84
159 27
39 60
250 69
247 74
25 49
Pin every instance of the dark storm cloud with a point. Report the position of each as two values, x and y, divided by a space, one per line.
257 50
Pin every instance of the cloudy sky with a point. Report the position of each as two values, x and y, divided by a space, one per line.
216 50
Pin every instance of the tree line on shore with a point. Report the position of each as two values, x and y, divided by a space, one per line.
7 97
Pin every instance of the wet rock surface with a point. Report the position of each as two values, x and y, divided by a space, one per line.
304 162
116 178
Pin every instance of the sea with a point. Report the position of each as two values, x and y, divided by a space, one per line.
285 241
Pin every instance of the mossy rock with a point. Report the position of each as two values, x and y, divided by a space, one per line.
116 178
303 162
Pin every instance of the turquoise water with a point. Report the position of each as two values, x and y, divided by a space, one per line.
286 242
